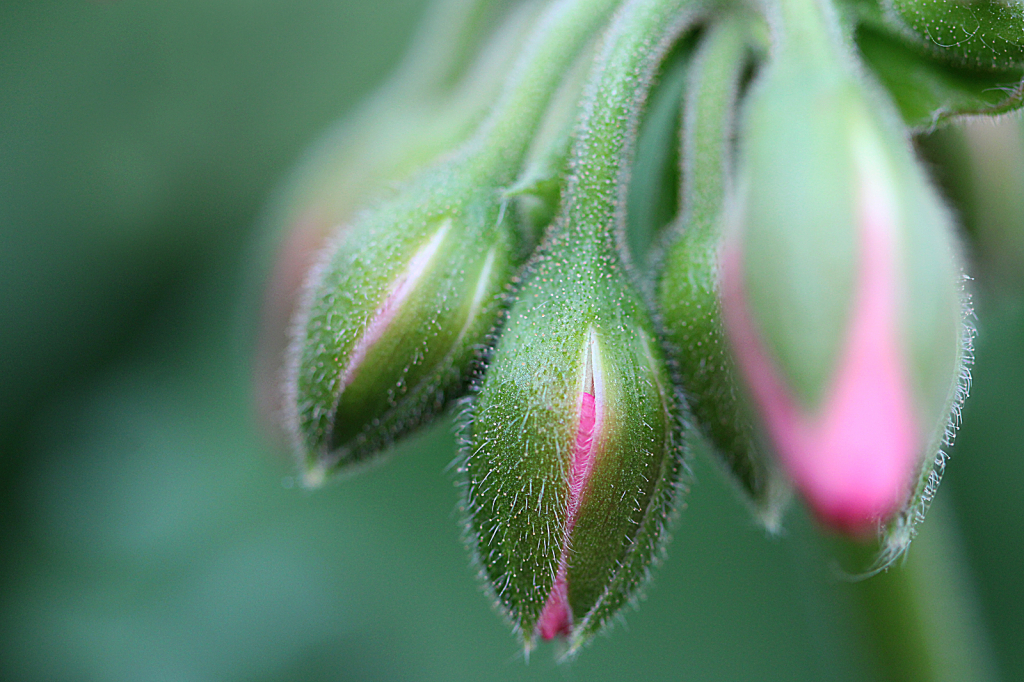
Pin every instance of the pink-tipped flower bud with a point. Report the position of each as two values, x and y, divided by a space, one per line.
841 294
573 450
572 459
395 316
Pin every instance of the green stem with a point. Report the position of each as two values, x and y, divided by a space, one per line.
708 121
562 32
634 47
688 286
919 617
653 201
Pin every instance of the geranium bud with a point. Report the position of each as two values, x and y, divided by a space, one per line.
688 285
573 447
399 307
841 291
432 102
983 34
572 464
394 324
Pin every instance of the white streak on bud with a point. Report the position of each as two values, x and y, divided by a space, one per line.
478 294
400 290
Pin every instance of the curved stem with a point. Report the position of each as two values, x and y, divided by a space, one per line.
708 121
562 32
644 31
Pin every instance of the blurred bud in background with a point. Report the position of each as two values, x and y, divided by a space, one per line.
841 291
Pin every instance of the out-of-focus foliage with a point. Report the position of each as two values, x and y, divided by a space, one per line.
146 531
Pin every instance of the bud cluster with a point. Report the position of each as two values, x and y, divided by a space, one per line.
803 313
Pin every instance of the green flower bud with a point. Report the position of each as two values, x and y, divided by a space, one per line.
841 290
397 316
984 34
573 453
400 304
688 287
573 465
432 102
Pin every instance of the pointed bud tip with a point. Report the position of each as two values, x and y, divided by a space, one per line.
314 476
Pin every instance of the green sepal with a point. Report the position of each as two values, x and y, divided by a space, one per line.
688 292
976 34
523 435
927 90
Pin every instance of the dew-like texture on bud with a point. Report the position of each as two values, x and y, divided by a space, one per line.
688 284
982 34
841 293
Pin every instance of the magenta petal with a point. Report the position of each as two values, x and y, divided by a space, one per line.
556 618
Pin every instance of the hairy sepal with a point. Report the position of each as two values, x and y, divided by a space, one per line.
523 435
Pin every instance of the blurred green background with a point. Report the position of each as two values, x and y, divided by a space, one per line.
147 529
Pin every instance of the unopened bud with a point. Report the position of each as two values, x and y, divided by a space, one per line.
572 463
396 318
573 449
841 293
